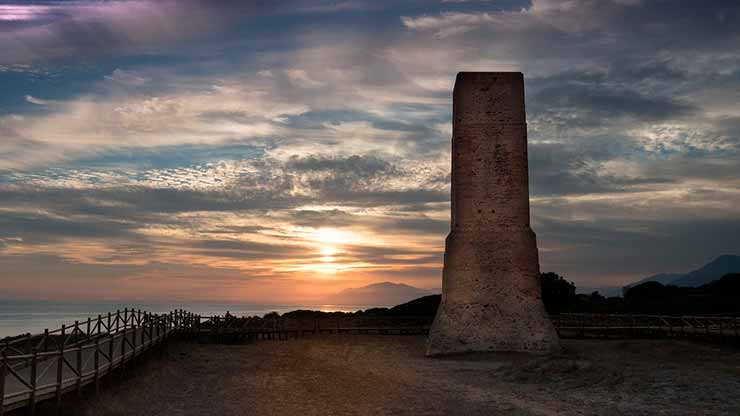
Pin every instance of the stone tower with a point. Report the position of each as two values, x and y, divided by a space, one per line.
491 298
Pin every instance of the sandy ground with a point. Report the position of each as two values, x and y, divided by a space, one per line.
376 375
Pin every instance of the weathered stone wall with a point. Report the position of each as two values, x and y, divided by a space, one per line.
491 297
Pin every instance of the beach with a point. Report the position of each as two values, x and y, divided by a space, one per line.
374 375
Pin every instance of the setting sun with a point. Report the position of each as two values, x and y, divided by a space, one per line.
334 236
330 239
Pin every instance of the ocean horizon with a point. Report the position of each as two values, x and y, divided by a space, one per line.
34 316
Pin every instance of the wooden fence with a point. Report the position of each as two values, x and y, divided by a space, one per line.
45 366
710 328
228 328
570 325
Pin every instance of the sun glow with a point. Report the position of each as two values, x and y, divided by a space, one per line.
334 236
330 241
328 253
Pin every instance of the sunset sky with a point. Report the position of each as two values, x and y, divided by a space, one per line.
278 151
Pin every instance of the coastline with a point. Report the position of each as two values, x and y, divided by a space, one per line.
33 316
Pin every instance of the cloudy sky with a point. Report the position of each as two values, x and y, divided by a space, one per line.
279 151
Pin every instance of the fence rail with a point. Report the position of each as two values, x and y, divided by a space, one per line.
717 328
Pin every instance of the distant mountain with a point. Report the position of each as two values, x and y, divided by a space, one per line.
710 272
378 294
662 278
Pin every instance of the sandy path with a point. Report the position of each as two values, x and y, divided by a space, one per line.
373 375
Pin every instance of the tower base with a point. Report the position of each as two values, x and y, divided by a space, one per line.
492 300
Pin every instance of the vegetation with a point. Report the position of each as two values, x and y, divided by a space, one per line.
558 294
719 297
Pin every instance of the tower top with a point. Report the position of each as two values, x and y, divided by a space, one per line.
488 97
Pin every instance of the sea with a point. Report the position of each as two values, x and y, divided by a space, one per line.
20 317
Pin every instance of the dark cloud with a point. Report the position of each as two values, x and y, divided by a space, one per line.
356 180
245 250
325 218
89 29
565 169
391 255
593 105
358 167
33 227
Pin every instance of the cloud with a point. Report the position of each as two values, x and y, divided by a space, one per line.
38 101
257 221
27 12
120 26
126 77
449 24
300 78
225 152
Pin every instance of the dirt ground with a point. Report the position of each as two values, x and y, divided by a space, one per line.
379 375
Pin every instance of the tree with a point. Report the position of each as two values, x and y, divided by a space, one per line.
557 293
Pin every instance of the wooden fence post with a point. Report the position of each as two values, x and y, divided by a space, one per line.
144 325
123 348
79 371
3 371
111 351
133 344
97 365
60 371
28 347
33 379
720 328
